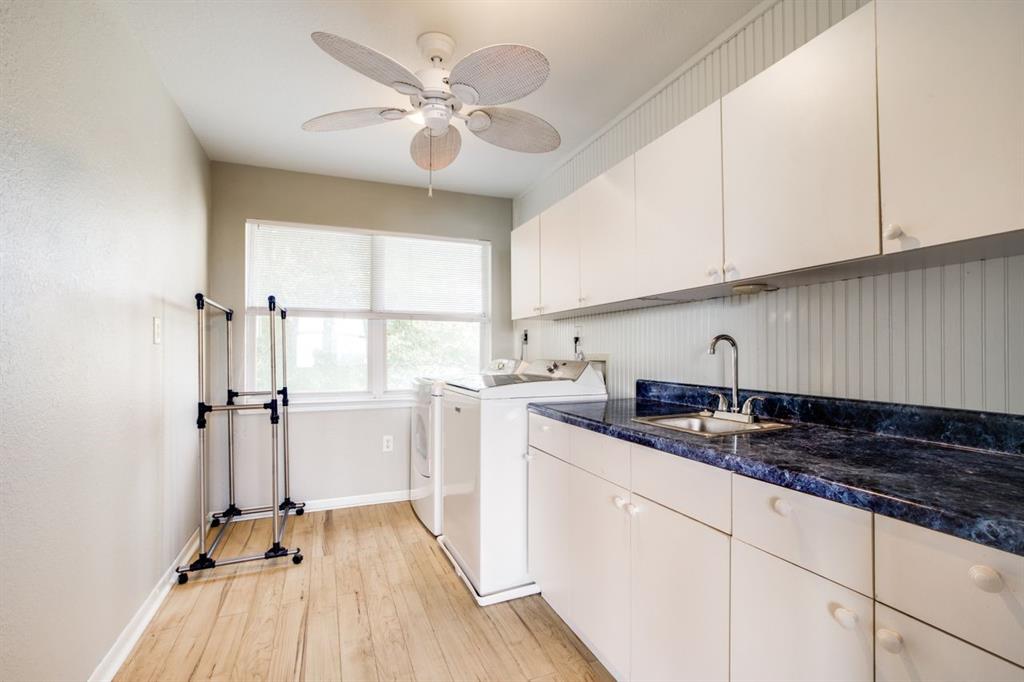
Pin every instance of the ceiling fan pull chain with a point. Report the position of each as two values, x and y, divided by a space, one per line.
430 170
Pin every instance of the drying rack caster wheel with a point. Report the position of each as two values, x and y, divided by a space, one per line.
300 511
214 523
296 558
182 578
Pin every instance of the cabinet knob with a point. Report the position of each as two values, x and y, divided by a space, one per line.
729 267
545 427
986 578
890 640
582 299
845 617
528 457
620 502
632 509
712 270
892 231
781 507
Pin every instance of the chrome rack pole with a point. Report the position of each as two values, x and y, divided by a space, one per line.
275 548
232 509
284 409
203 561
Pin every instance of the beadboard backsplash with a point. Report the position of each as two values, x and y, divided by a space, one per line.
949 336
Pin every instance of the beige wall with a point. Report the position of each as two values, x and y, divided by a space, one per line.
105 197
246 192
335 453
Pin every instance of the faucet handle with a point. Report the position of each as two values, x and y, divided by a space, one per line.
748 404
723 402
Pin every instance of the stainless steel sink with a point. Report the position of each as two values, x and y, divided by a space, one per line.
703 424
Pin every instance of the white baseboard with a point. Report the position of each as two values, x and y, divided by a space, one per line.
126 641
132 632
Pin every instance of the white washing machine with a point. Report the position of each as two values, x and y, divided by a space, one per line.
425 456
485 469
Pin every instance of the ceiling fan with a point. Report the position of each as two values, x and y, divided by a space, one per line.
492 75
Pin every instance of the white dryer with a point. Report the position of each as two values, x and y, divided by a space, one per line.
425 456
485 469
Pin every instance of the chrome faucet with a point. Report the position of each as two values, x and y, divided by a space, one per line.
735 407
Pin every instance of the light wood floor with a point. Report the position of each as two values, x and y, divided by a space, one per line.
375 599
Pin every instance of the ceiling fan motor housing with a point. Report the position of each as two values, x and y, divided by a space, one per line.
436 115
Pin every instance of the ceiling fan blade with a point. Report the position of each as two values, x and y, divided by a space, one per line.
353 118
435 153
499 74
366 61
514 129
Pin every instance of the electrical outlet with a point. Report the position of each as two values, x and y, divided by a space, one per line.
389 444
157 332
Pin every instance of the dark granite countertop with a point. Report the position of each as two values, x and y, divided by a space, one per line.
972 494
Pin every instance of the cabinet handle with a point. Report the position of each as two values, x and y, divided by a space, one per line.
712 270
986 578
845 617
620 502
890 640
528 457
892 231
632 509
780 506
729 267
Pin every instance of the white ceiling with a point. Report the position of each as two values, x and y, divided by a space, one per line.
246 75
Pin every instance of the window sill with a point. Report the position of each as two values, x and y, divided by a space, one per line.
299 404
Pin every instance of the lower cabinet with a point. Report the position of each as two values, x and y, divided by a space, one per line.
680 597
548 547
790 624
907 650
599 564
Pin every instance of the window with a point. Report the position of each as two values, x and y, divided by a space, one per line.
368 312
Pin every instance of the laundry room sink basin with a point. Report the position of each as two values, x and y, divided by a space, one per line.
703 424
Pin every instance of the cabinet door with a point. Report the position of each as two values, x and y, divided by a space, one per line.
789 624
560 256
599 565
608 236
679 206
549 529
800 156
680 597
950 120
907 650
525 255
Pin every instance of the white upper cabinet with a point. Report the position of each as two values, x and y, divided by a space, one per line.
800 156
608 236
525 257
679 206
951 120
560 256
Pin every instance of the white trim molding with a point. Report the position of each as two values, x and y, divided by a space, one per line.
133 631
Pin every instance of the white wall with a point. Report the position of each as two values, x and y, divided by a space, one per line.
105 196
334 453
950 336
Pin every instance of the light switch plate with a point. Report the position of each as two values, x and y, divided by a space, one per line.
157 332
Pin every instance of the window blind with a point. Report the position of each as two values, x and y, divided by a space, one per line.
382 275
427 276
309 268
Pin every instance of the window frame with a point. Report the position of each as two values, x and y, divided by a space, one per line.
376 334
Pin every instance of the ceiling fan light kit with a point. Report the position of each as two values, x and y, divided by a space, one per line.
497 74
